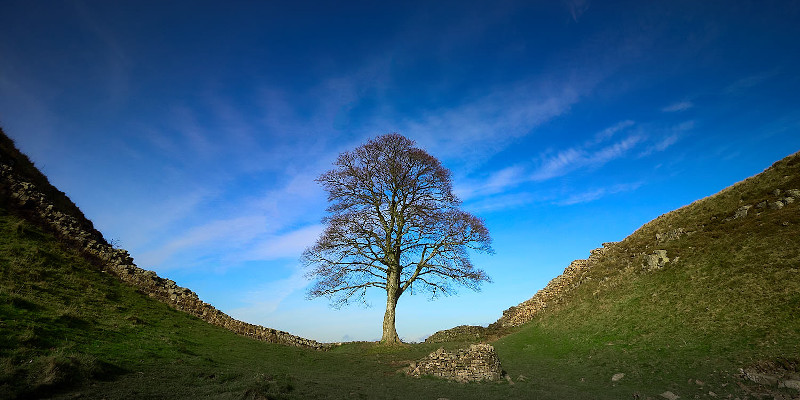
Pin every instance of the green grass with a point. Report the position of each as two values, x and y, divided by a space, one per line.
66 326
67 329
730 301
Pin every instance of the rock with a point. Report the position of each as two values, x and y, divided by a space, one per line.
793 193
617 377
763 204
670 235
657 260
669 395
760 378
776 192
791 384
776 205
741 212
788 200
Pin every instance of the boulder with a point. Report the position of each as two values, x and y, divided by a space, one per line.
657 260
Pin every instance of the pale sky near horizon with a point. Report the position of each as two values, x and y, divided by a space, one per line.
192 132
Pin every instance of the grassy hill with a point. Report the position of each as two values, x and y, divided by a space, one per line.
68 328
728 298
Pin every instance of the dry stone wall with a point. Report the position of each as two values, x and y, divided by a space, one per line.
477 363
459 333
572 277
575 273
119 263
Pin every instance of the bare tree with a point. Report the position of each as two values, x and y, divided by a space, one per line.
393 224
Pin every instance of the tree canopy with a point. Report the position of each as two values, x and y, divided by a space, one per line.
393 223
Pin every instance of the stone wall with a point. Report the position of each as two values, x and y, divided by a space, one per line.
460 333
26 196
477 363
575 273
572 277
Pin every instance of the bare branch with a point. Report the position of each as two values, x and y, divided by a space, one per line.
394 224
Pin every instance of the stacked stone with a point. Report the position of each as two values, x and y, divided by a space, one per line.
572 277
119 263
461 332
477 363
574 274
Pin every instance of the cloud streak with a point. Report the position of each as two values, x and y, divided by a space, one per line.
676 107
596 194
267 297
575 158
577 8
667 137
289 245
471 133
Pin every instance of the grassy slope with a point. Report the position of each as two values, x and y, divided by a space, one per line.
68 328
730 300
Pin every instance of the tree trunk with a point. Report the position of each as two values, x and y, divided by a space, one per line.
389 331
392 294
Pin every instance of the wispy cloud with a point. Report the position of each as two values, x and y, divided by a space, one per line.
577 8
272 225
574 158
665 138
474 131
201 241
505 202
609 132
680 106
267 297
595 194
288 245
750 81
666 142
195 137
495 182
494 191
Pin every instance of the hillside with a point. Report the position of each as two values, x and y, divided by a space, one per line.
675 309
693 296
68 330
79 319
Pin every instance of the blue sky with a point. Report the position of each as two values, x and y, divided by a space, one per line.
192 132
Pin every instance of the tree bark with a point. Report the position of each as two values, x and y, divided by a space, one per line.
392 294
